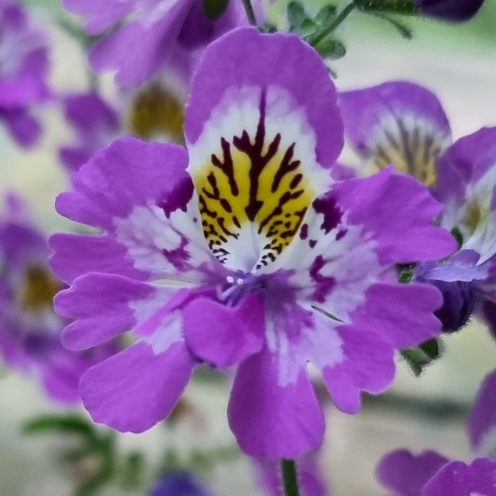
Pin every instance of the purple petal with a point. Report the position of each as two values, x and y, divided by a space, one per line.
460 479
222 335
77 254
270 419
406 474
397 123
250 63
23 128
481 423
136 388
137 50
368 365
401 312
104 306
398 211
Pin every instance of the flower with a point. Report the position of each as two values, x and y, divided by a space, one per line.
29 328
177 484
276 264
450 10
149 34
430 474
96 123
404 124
23 72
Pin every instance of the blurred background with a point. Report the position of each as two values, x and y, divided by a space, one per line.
459 64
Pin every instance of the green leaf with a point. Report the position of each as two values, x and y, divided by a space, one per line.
400 7
296 14
67 424
331 49
214 8
132 470
326 16
404 30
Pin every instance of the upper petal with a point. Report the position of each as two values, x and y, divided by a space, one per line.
259 132
397 123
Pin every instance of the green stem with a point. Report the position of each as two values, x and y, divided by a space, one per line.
339 19
289 478
250 13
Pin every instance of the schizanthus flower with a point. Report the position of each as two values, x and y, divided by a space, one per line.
29 328
404 124
279 266
23 72
150 35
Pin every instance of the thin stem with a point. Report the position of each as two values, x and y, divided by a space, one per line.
289 478
250 13
339 19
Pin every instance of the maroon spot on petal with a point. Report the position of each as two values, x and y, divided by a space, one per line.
324 284
178 257
326 206
304 231
177 198
341 233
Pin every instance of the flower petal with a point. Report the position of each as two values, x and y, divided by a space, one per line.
136 388
401 312
259 134
105 306
459 479
407 474
140 194
272 420
367 365
397 123
481 423
222 335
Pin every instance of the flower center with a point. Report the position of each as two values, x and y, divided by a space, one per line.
157 112
238 286
38 289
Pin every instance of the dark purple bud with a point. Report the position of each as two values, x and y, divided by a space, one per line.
458 303
177 484
450 10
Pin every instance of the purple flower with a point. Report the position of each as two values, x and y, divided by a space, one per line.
29 328
430 474
23 72
263 249
450 10
177 484
404 124
95 124
149 33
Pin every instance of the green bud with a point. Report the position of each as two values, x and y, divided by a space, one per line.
330 48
